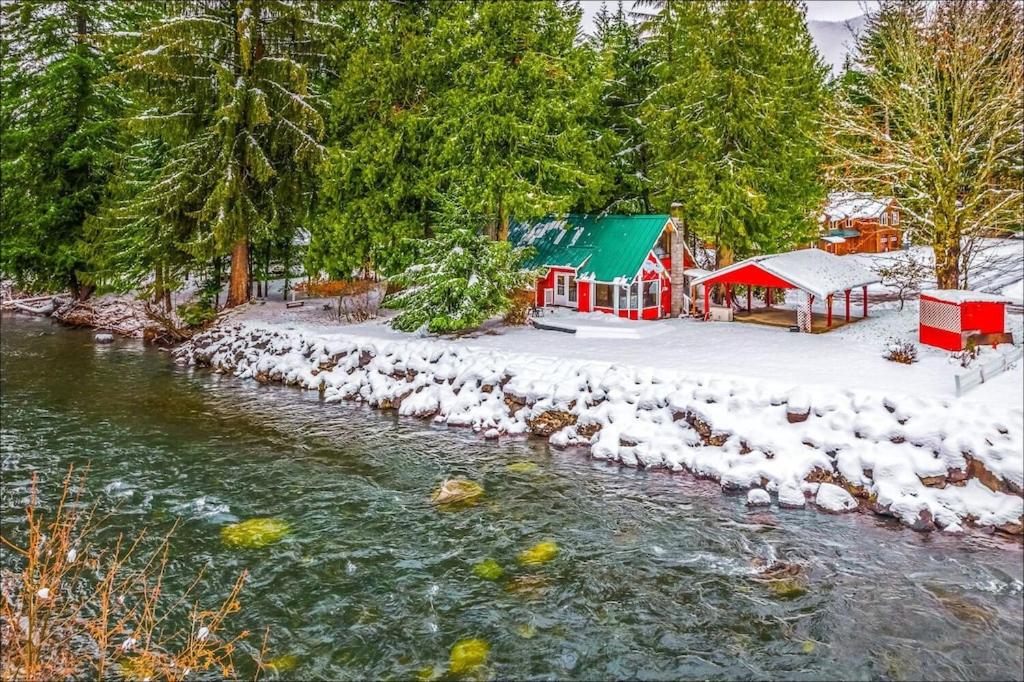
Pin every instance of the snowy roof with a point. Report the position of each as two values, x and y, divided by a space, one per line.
833 240
815 271
608 248
855 205
964 296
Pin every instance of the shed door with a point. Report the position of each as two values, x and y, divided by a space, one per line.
565 289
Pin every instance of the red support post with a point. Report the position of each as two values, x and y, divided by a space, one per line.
828 316
707 301
768 297
847 292
749 299
865 301
728 295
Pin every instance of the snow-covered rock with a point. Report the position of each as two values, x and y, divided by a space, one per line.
758 497
791 496
959 462
832 498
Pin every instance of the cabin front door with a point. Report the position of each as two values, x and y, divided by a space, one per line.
565 290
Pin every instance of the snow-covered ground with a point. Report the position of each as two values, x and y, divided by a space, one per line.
848 358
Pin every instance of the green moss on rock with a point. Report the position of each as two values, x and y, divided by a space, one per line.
254 533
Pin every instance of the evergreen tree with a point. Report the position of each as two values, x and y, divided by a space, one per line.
377 185
227 89
59 119
735 121
460 277
625 66
511 130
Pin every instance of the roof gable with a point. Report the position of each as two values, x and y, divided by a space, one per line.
602 248
813 270
856 206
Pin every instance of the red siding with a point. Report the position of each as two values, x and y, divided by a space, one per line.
583 296
981 317
751 275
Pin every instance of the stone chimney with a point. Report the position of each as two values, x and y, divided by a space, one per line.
677 252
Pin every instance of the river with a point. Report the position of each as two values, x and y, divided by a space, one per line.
654 578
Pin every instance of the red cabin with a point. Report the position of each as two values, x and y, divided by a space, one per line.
852 222
617 264
949 317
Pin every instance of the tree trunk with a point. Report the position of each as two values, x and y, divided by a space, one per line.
946 245
947 264
502 235
724 257
238 287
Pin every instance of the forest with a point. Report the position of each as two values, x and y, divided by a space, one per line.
146 144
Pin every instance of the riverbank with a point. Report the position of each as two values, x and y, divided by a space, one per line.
932 464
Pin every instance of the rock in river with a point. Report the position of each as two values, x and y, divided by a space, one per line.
457 490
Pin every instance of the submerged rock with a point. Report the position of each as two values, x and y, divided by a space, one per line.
467 655
758 497
457 491
254 533
488 569
103 337
283 663
540 553
522 467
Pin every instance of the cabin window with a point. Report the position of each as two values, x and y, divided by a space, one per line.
664 246
651 293
895 217
627 297
572 290
603 295
885 217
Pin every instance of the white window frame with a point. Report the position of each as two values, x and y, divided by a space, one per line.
895 217
885 218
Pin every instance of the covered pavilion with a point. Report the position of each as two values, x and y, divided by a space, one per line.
820 275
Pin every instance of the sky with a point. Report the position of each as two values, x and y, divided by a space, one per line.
817 10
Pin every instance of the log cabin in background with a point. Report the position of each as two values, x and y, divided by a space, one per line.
852 222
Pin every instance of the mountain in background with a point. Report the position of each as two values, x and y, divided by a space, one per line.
835 39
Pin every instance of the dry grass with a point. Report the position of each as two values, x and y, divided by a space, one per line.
71 608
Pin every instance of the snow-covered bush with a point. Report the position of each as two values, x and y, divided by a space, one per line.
900 351
459 279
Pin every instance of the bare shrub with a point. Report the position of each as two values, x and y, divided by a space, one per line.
70 608
968 355
903 352
518 312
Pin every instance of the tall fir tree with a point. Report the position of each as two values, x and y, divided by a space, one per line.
227 89
378 184
625 66
736 122
59 117
512 129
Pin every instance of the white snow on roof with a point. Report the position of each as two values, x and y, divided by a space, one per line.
855 205
539 230
965 296
834 240
815 271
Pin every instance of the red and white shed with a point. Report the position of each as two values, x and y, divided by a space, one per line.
951 316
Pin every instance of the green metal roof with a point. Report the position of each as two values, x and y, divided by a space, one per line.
843 233
602 248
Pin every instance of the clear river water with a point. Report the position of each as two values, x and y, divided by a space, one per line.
655 577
